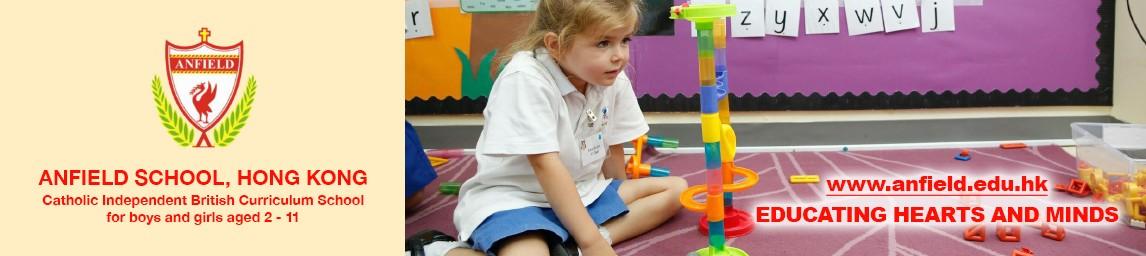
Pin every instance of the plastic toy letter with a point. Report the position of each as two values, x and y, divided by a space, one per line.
899 15
783 17
938 15
864 16
696 2
749 19
418 19
821 17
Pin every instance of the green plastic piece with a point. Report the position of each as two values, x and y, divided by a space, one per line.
662 142
702 12
728 251
704 45
449 188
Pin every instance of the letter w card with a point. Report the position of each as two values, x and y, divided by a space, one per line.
864 16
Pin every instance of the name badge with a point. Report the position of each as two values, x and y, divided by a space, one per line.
592 148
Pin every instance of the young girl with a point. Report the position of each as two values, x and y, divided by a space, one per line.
550 158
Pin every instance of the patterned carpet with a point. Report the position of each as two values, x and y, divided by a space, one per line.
679 235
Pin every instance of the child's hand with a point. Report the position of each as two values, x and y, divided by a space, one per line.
614 165
599 249
562 195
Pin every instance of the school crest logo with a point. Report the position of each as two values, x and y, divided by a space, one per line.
203 79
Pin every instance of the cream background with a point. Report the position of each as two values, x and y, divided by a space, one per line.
76 95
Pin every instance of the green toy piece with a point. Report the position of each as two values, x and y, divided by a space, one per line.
449 187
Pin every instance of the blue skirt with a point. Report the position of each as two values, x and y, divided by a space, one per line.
505 224
419 172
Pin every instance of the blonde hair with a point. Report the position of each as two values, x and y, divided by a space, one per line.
567 18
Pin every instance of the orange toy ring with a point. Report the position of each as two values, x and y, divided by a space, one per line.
750 179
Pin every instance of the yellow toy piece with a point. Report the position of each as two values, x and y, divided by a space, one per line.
1140 177
710 133
1134 209
1132 196
1114 198
438 161
1121 185
1086 174
727 144
1099 183
803 179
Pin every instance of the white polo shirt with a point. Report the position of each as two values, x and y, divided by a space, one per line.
533 109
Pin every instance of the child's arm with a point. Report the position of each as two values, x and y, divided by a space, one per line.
614 166
563 198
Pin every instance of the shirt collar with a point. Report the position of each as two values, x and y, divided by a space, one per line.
563 83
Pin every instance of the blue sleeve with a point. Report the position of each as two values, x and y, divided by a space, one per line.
419 173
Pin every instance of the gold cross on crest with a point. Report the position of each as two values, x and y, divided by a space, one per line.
204 33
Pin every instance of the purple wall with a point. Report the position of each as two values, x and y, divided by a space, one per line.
1004 44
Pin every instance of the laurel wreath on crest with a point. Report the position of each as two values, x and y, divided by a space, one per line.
182 132
235 121
176 126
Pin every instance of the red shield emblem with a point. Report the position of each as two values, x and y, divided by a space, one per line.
204 79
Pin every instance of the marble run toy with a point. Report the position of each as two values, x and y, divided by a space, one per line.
964 155
717 134
636 169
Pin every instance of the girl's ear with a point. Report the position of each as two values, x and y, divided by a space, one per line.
552 45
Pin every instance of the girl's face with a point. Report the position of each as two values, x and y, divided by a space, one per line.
596 56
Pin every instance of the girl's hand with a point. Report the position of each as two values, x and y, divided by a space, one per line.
566 203
599 249
614 165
